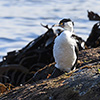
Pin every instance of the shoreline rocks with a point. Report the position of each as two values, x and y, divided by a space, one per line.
80 85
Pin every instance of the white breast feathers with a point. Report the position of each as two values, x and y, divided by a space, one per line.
64 51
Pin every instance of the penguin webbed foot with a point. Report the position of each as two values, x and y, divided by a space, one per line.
57 72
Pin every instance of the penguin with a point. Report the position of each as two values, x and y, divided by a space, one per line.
65 49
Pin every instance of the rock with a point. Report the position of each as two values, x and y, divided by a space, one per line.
93 40
83 84
93 16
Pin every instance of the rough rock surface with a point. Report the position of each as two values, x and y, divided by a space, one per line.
83 84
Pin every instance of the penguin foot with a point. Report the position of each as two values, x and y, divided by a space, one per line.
57 72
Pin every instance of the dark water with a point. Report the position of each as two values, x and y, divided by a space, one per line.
20 19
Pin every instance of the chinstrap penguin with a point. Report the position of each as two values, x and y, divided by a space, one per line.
65 50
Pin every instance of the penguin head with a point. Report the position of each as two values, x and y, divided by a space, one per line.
66 24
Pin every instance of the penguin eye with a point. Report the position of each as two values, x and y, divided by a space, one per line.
61 23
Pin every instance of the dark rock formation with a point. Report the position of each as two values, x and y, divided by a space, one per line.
82 84
93 16
93 40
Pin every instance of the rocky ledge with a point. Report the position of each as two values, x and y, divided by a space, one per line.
82 84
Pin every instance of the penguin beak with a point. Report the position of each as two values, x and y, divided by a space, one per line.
55 25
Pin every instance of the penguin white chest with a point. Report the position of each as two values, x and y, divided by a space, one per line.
64 52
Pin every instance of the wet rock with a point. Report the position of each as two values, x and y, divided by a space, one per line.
93 16
93 40
82 84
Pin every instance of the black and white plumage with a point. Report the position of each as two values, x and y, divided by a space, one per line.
65 47
80 42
